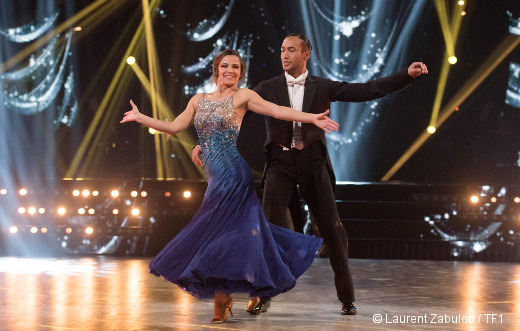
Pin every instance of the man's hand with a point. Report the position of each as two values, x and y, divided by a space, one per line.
195 152
416 69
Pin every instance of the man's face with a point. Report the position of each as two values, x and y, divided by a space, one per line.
294 58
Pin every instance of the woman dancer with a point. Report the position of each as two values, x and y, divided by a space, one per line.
229 246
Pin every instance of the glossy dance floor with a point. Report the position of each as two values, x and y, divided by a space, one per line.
105 293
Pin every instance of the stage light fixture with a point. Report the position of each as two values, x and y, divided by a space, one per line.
114 193
463 13
452 59
167 194
68 230
31 210
431 129
34 229
187 194
115 211
144 194
43 230
517 200
78 28
3 191
22 191
133 194
474 199
75 193
95 193
81 211
461 3
135 211
89 230
13 229
130 60
21 210
493 199
85 193
62 211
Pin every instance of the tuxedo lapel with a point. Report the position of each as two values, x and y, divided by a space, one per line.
281 92
308 94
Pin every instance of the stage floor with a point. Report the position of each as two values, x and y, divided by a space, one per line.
107 293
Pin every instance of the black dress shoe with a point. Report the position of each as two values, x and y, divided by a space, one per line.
348 309
262 306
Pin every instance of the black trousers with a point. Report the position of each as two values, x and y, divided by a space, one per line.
308 169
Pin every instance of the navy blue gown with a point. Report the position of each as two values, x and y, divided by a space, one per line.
229 246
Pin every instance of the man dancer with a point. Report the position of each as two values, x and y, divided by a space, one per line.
296 154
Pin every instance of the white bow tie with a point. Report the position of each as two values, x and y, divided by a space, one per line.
291 81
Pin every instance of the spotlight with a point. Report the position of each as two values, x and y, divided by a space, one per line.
22 191
474 199
461 3
144 194
115 211
31 210
114 193
43 230
133 194
81 211
13 229
21 210
34 229
89 230
452 59
78 28
517 199
493 199
3 191
62 211
167 194
95 193
431 129
135 211
187 194
91 211
85 193
130 60
75 193
41 210
68 230
463 13
152 131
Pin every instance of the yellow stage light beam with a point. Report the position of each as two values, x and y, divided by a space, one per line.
500 53
109 96
26 52
450 32
151 52
442 13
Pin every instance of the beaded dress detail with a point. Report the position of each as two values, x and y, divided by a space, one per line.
229 246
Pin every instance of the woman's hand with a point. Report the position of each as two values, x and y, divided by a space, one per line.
325 123
195 153
131 116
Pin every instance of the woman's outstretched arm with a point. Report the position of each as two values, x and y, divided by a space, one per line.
181 122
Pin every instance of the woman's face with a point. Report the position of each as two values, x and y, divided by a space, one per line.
229 70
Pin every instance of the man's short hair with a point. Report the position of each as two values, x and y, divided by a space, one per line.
306 42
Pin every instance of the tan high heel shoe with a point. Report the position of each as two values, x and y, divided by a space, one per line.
253 302
223 305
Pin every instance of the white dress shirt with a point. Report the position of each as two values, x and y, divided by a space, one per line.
296 87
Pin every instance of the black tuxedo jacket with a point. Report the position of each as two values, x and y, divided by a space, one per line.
318 95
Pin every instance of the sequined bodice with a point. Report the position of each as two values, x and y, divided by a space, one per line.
218 125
